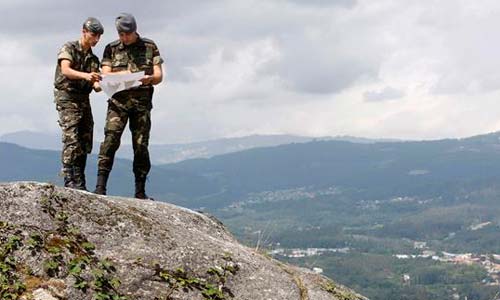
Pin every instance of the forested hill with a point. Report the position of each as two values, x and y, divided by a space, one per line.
384 169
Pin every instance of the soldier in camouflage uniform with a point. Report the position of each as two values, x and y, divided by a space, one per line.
75 77
130 53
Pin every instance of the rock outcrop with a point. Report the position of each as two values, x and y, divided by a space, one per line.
58 243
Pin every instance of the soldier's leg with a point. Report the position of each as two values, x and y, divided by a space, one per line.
86 131
87 128
140 126
70 117
116 120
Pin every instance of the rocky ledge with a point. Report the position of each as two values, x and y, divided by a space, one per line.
58 243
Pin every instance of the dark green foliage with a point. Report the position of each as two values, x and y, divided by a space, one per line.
11 286
380 277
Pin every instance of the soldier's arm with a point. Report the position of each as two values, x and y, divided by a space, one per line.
157 69
156 78
72 74
157 74
95 65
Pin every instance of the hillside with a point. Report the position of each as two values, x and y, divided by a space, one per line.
20 163
171 153
381 169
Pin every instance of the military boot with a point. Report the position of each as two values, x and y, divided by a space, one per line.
79 173
140 188
79 177
69 177
102 180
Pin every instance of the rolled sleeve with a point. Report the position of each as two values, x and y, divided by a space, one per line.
106 57
157 60
64 53
106 62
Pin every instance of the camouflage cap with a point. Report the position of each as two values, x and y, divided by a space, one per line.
125 23
93 25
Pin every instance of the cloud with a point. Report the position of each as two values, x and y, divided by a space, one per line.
388 93
327 3
237 74
281 66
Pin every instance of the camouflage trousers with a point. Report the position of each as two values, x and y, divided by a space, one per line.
77 124
133 106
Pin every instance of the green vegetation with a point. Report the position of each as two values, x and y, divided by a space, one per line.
71 253
212 287
63 251
374 231
332 288
11 285
381 277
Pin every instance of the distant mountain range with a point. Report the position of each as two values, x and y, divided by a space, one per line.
384 168
170 153
20 163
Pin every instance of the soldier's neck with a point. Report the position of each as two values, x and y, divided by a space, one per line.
85 45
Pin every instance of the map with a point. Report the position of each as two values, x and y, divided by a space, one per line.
114 83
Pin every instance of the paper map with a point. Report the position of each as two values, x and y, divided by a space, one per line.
114 83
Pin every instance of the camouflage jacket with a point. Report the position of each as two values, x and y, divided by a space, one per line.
139 56
80 61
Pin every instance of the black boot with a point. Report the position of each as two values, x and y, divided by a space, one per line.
69 177
100 187
140 188
79 179
79 173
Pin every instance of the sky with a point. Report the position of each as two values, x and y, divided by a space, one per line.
379 69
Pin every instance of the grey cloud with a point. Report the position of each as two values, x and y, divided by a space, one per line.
326 3
469 75
467 59
188 32
31 16
324 47
388 93
323 64
311 71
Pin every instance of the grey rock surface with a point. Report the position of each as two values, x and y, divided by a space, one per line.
58 243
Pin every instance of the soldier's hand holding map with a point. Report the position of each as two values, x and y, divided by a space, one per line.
114 83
